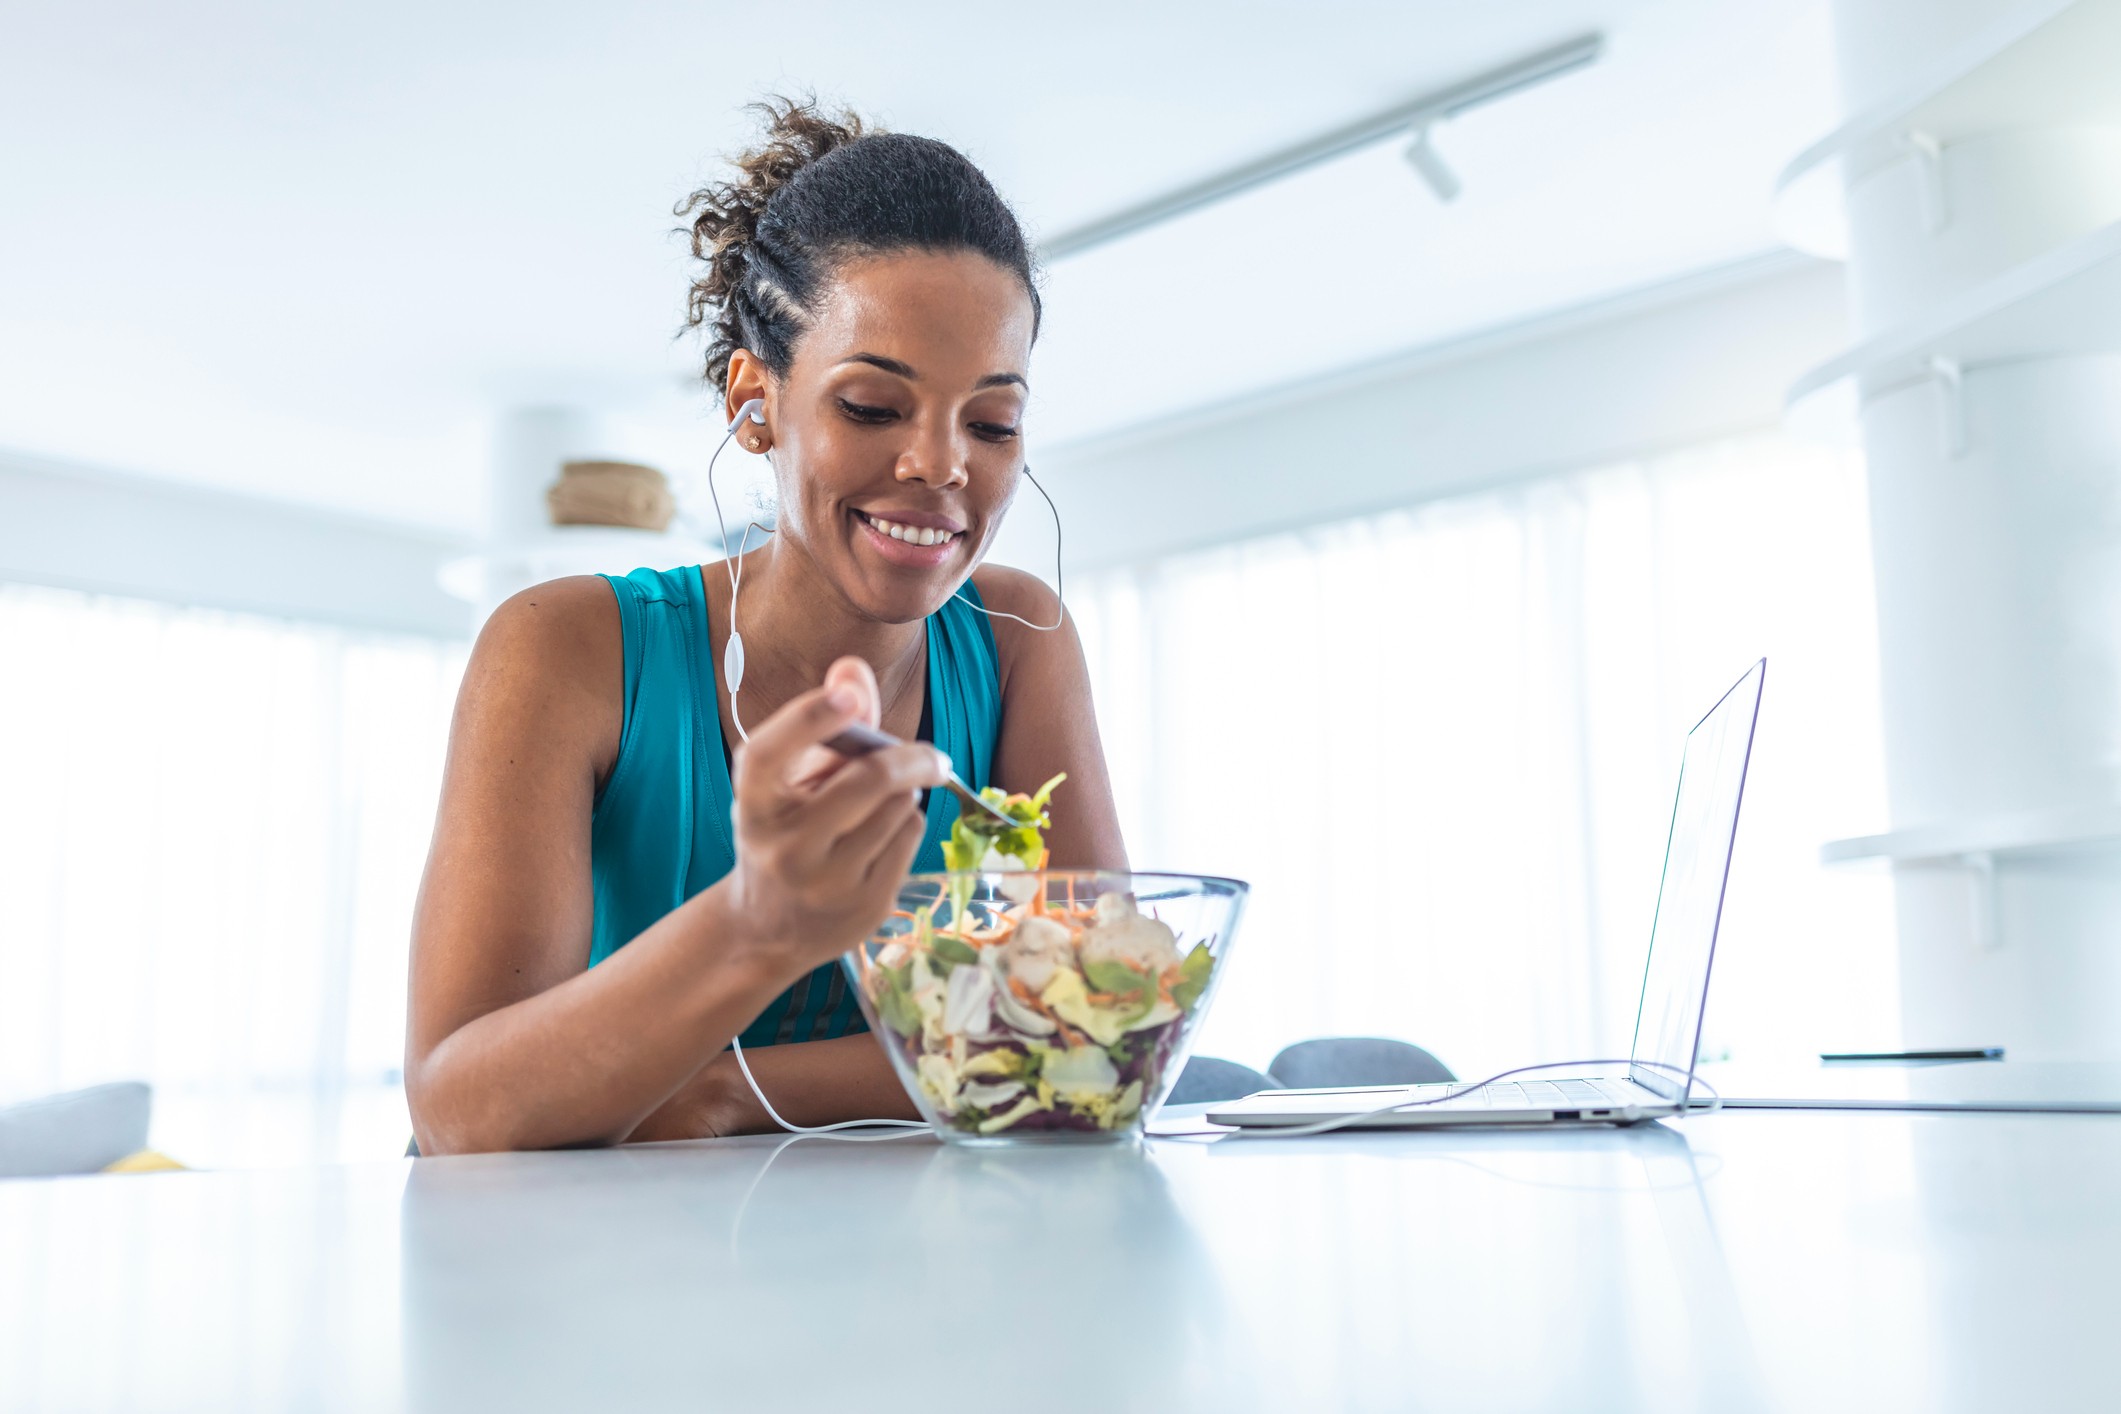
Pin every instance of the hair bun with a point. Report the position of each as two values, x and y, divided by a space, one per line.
725 215
819 189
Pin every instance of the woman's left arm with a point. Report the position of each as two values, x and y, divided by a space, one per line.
1048 722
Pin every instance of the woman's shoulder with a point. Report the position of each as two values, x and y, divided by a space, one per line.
551 658
570 621
1004 590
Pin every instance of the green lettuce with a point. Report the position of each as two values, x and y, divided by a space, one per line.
894 999
975 832
951 950
1192 977
1116 977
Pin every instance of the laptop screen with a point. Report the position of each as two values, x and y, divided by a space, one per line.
1697 861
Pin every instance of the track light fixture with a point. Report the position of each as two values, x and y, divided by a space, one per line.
1428 164
1416 116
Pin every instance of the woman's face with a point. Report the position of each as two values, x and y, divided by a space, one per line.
897 432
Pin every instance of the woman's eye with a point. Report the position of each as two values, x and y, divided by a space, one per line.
993 431
861 413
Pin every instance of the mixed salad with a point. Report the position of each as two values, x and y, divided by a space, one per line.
1020 1011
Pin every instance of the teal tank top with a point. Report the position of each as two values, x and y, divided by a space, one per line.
661 830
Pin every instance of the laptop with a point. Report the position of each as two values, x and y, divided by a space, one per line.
1675 980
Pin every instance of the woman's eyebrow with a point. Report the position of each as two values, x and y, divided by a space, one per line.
905 371
889 365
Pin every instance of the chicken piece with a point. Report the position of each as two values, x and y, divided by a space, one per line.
1124 935
1039 949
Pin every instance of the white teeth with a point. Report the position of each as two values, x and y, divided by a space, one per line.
912 535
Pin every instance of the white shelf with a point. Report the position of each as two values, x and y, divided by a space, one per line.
2061 302
2027 832
2052 63
565 550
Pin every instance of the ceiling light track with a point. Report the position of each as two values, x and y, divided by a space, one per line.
1412 119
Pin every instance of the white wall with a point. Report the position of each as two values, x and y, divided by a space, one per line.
1677 364
85 528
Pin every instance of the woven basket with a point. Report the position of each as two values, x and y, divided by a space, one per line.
611 493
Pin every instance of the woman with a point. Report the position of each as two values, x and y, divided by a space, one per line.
612 895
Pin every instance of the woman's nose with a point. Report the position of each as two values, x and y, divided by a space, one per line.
935 458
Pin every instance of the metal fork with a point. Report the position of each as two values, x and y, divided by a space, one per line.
860 739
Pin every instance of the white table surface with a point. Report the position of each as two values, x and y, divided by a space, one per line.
1762 1260
2060 1086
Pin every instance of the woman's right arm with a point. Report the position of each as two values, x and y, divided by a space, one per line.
514 1041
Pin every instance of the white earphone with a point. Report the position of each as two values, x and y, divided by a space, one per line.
733 652
754 411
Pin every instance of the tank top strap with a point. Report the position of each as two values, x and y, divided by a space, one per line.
964 695
656 835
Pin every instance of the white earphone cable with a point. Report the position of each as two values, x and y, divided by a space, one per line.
736 1048
732 563
720 524
1059 591
1457 1089
736 582
1298 1131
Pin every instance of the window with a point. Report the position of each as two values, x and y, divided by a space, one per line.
1442 744
212 827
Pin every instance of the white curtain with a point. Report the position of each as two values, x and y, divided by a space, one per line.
211 829
1442 744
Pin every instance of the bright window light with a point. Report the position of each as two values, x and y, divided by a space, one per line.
211 833
1442 743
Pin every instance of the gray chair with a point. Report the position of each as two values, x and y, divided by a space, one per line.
1209 1080
81 1131
1355 1060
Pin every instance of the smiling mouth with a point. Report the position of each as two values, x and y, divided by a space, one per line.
911 534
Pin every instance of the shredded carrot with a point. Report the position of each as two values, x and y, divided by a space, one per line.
1031 999
1038 900
1000 931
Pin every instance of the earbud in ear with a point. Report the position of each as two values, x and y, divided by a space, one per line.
752 411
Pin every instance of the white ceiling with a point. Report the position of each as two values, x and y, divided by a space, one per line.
312 255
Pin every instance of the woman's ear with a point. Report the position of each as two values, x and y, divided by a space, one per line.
748 380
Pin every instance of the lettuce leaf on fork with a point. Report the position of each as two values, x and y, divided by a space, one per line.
974 836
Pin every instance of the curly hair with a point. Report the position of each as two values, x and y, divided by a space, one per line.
823 188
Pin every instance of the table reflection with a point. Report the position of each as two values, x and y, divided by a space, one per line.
807 1270
1458 1269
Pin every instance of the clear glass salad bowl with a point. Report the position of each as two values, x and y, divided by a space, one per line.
1044 1004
